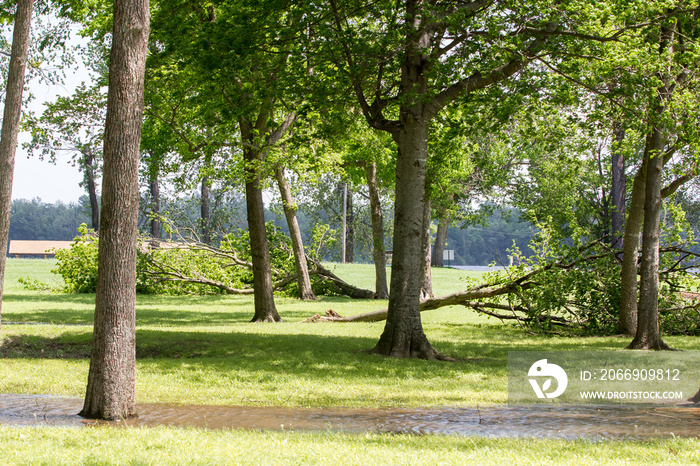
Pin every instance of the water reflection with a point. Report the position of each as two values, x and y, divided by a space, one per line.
567 422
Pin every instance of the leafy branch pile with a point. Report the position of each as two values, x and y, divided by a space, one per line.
196 268
568 284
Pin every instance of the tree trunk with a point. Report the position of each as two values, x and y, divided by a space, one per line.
288 204
205 215
648 335
350 230
265 309
10 123
380 286
441 237
426 286
695 398
618 190
111 384
156 226
91 187
403 335
627 320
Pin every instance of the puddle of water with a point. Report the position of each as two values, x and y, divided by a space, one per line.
567 422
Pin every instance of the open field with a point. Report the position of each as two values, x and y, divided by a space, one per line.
202 350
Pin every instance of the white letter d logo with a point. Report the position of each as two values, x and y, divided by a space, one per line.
542 369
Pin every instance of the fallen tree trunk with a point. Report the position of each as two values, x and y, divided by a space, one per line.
462 298
340 285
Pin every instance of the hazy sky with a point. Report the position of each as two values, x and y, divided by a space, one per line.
35 178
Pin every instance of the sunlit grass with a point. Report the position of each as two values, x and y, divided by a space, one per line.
109 446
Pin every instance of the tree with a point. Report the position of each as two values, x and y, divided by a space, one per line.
405 62
289 207
672 77
10 121
618 191
380 283
237 66
111 386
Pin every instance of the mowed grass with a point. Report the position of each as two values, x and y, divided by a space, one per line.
203 350
158 446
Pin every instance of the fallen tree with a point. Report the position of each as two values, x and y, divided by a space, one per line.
574 292
165 265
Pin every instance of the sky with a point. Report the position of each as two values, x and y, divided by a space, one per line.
35 178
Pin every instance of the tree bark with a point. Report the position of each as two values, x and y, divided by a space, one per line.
205 214
380 284
10 123
302 269
111 384
265 309
647 334
627 319
350 229
426 287
156 227
695 398
441 237
618 190
90 184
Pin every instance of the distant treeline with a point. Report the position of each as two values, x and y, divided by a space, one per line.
473 245
37 220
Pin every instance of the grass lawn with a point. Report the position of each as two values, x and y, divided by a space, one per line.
203 350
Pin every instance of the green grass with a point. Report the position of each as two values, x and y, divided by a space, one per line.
53 446
203 350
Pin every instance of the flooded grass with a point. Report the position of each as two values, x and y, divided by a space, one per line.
593 422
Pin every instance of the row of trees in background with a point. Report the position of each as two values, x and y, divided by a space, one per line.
486 242
432 107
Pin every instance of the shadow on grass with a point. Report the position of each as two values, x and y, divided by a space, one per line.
159 310
487 349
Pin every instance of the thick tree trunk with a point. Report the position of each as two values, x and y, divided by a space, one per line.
648 335
156 227
265 309
441 237
426 286
302 269
91 187
627 320
617 193
10 123
403 335
380 284
111 384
